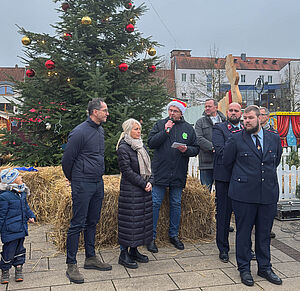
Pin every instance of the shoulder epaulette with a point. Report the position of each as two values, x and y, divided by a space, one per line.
235 131
272 130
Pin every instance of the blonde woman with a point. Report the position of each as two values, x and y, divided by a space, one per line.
135 201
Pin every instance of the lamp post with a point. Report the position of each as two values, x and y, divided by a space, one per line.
259 87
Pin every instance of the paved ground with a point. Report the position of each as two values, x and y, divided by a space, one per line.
195 268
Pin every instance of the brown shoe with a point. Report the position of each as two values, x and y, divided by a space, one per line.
74 275
95 263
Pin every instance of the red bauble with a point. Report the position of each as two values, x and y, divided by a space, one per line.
30 73
50 64
129 28
123 67
152 69
65 6
67 36
128 5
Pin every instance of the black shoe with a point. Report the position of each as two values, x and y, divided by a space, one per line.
177 243
151 247
231 229
272 234
224 257
126 261
247 278
253 255
270 276
137 256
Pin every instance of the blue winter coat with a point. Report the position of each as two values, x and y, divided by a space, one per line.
14 214
83 159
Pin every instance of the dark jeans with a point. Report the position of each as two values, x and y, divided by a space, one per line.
86 207
13 254
206 178
158 193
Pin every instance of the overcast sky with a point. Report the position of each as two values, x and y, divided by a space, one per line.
266 28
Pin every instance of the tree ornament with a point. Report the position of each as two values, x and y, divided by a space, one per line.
67 36
112 62
123 67
30 73
50 64
129 28
26 40
152 51
65 6
128 5
68 79
86 20
48 126
151 69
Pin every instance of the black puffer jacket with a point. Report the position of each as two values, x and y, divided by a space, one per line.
169 165
135 204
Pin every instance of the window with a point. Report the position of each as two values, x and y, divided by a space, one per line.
208 82
243 78
193 77
183 77
6 90
270 79
183 95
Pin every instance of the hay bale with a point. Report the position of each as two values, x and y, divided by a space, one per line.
51 201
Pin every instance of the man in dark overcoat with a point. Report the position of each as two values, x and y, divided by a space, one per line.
253 154
221 133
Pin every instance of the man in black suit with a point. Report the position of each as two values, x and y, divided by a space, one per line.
221 133
253 154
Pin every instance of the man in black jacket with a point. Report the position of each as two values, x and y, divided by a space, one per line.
83 165
174 141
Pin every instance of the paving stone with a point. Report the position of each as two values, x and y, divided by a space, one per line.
42 250
202 263
207 248
288 284
200 279
281 256
171 253
289 269
40 279
155 267
95 286
19 287
235 287
36 265
149 283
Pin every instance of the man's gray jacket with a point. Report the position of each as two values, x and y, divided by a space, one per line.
203 129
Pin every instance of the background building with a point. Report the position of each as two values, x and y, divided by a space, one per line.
199 78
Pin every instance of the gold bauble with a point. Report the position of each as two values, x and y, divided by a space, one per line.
86 20
152 51
26 40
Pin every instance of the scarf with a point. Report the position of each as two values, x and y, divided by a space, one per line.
17 187
143 157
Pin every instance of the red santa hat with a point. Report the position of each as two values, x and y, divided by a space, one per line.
179 104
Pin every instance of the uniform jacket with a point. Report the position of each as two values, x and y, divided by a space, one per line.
221 133
203 128
254 178
83 158
135 204
169 165
14 214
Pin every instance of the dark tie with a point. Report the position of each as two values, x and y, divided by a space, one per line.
257 143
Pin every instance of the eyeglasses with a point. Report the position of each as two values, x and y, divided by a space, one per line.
103 110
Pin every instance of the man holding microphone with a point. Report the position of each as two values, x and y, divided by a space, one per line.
174 141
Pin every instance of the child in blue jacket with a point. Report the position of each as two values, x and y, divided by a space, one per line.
14 214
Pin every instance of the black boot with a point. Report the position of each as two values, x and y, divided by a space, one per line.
126 261
151 247
137 256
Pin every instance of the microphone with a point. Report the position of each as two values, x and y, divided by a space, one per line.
169 128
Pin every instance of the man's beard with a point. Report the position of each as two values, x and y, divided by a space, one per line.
254 129
234 120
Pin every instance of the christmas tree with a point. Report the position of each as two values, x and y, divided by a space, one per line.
97 52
